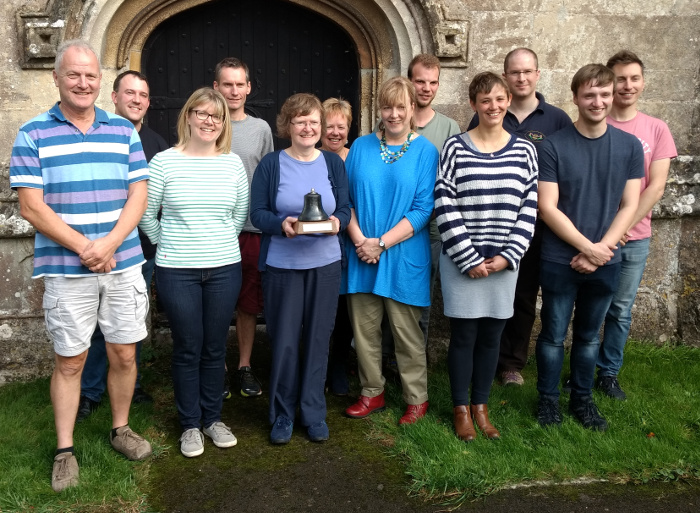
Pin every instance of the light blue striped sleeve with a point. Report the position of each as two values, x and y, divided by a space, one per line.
25 167
138 167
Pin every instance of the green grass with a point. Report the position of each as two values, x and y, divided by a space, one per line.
654 435
663 385
109 482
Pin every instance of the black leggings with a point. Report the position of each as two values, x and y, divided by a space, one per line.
472 358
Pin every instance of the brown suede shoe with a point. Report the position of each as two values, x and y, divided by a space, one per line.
366 406
480 412
131 445
463 424
65 472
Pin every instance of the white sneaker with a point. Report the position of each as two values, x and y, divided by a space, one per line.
192 443
221 435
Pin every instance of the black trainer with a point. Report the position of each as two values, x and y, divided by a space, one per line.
586 412
85 408
227 387
250 386
610 387
548 411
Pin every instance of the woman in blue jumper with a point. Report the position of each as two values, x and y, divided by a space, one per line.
301 273
391 175
486 204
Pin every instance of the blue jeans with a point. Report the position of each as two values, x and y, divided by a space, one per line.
619 317
562 290
93 381
199 304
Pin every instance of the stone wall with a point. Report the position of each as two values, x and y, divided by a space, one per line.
470 36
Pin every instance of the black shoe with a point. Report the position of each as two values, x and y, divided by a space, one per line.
548 411
585 411
227 387
610 387
250 386
141 396
85 408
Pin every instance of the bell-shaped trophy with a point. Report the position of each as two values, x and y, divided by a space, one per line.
313 219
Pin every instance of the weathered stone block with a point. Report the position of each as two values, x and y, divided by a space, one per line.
689 273
654 314
19 295
25 350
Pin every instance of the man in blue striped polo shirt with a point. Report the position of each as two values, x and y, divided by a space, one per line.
81 177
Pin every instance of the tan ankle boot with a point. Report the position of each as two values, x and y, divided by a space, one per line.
463 424
480 412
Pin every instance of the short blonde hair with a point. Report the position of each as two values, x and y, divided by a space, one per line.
337 106
203 96
300 104
393 92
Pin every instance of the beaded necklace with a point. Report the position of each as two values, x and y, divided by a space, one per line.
388 156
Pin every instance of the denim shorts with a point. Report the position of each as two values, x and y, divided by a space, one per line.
74 306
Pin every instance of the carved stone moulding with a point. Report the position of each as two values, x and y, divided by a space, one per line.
40 34
451 38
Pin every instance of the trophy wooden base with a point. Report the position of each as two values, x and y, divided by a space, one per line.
312 227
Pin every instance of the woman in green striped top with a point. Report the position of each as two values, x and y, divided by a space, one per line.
202 190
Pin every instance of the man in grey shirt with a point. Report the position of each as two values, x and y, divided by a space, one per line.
251 141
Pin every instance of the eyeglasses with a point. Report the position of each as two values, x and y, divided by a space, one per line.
302 124
203 115
526 72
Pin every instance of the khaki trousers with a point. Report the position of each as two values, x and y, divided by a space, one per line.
366 313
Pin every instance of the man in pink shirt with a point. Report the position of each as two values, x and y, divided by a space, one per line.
659 149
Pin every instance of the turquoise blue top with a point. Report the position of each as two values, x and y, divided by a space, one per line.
383 194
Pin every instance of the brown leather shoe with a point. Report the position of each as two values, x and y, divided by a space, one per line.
366 406
463 424
413 413
480 412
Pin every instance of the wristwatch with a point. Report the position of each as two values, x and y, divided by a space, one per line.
382 245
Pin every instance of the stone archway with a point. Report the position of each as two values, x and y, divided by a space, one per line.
386 34
379 40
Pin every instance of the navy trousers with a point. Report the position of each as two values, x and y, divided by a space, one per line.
300 307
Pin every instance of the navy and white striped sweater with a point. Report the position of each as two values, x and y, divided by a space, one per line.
486 205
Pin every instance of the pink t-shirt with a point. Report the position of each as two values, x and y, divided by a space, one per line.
658 144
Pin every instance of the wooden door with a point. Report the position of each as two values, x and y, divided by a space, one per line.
288 48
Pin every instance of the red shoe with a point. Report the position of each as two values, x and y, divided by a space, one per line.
366 406
414 412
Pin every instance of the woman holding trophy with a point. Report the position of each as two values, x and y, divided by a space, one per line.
301 273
